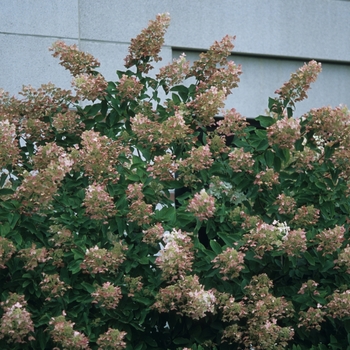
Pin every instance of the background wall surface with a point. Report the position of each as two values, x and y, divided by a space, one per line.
273 39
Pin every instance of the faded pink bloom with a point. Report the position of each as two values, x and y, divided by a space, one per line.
62 332
206 105
204 68
202 206
284 133
139 210
68 122
101 260
53 286
160 135
295 89
306 215
90 87
154 234
163 168
188 297
174 73
113 338
311 318
133 284
232 124
99 156
286 204
61 236
77 62
33 256
107 296
241 161
339 306
175 259
9 147
99 205
344 258
16 324
263 238
147 45
226 78
329 241
199 159
230 263
129 88
310 287
294 243
7 249
31 113
38 187
267 178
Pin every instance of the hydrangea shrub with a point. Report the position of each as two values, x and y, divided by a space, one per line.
94 253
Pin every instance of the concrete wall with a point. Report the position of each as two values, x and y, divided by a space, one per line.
273 39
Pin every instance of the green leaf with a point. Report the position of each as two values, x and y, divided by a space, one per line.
88 287
178 341
215 246
310 259
265 121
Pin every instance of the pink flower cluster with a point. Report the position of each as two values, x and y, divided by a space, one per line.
112 339
339 306
7 249
240 161
286 204
175 72
202 205
77 62
63 333
188 297
90 87
129 88
306 215
206 105
329 241
177 244
99 205
294 242
163 167
53 286
284 133
139 210
230 262
232 124
16 324
204 68
262 238
295 89
267 178
262 311
311 318
147 45
33 256
101 260
99 156
153 234
9 148
68 122
107 296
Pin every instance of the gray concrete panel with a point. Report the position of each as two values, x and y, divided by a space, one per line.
58 18
295 28
27 61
